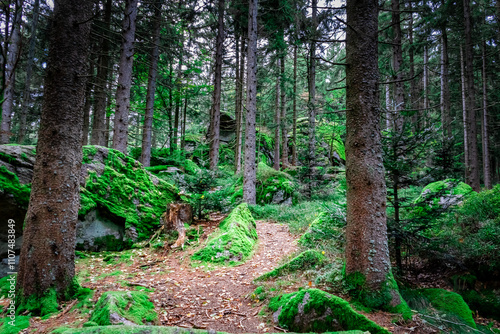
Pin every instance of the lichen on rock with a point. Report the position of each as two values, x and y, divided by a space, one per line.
235 240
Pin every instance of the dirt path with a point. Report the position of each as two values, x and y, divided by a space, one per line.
185 296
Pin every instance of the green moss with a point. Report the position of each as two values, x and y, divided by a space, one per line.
88 153
449 302
15 325
380 299
446 187
38 305
329 311
9 184
235 240
133 306
305 260
486 303
126 190
259 294
327 227
270 182
149 330
5 285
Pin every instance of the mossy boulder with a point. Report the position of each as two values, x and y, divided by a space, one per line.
449 305
486 302
326 231
124 307
15 324
115 189
317 311
444 193
305 260
149 330
274 186
235 240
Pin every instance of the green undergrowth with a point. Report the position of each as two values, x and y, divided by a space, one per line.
381 299
326 232
132 306
322 312
5 285
486 302
126 190
305 260
9 183
445 187
439 304
235 240
152 330
14 325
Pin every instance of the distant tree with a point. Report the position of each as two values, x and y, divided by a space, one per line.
48 250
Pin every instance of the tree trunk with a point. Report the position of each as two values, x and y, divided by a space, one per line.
277 122
239 106
484 126
178 101
99 128
472 163
388 106
29 71
425 81
10 74
411 58
150 95
397 63
120 134
174 218
88 104
445 88
215 114
312 87
250 170
464 106
294 106
283 125
367 252
48 250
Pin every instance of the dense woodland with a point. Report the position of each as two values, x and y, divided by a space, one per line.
370 128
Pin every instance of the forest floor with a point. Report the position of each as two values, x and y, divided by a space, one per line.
215 297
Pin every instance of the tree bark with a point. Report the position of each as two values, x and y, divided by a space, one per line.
150 95
99 128
239 106
283 124
215 113
397 63
250 170
88 103
312 87
464 106
10 74
183 127
411 58
367 250
388 106
472 163
277 122
484 126
120 134
48 250
294 107
29 72
445 88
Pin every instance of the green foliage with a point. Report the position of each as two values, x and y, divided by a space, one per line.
36 304
9 184
235 240
486 302
450 304
326 231
305 260
133 306
328 309
14 326
442 188
126 190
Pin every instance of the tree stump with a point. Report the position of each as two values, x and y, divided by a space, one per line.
175 217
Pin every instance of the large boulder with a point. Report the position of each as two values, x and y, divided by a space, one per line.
444 193
121 202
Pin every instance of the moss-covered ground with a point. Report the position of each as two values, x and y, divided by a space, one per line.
234 242
305 260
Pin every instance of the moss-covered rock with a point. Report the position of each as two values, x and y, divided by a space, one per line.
326 231
486 302
124 307
446 303
305 260
150 330
235 240
444 193
318 311
274 186
15 324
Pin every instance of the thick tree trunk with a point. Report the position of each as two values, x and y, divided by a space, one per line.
120 134
99 128
367 252
294 107
472 163
397 63
215 113
10 74
484 126
239 106
312 87
250 170
29 72
445 88
277 121
150 95
283 124
48 250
